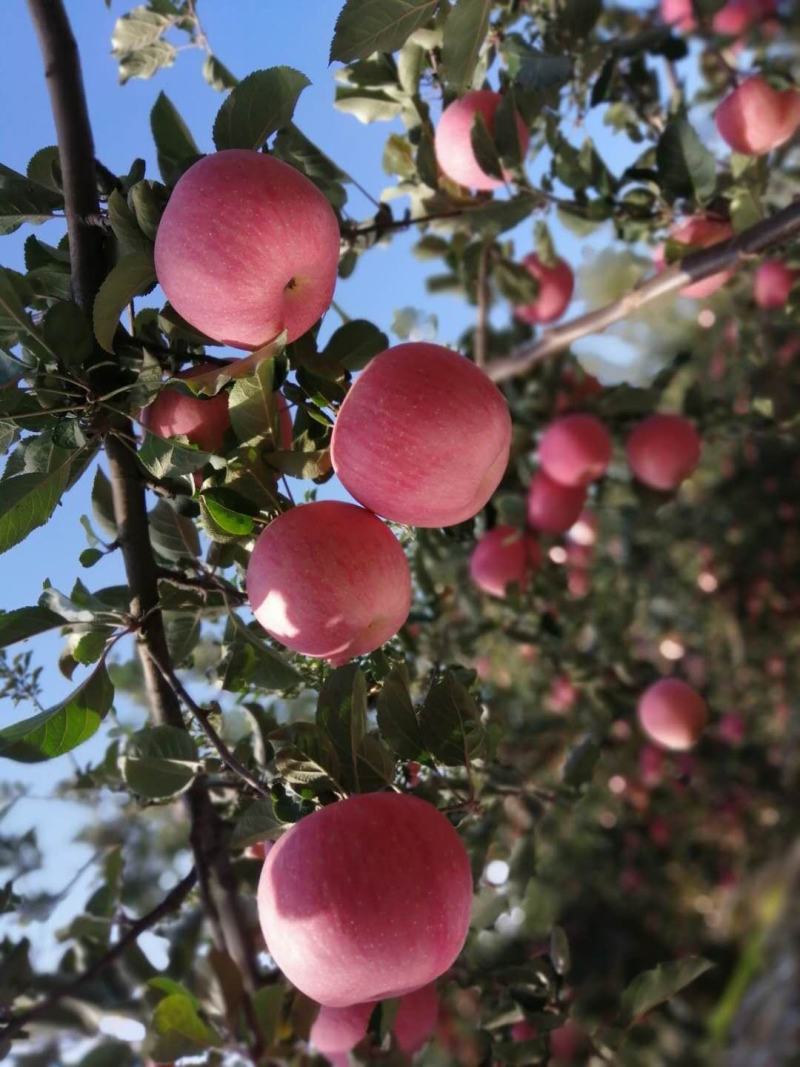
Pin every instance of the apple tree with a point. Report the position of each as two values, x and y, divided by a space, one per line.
466 673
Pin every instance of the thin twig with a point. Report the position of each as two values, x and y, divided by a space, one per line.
720 257
171 902
201 715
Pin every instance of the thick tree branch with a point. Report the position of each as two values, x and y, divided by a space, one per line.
171 902
76 156
724 256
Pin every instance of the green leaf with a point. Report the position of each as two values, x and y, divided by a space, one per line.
183 633
103 504
252 662
686 168
464 34
175 146
161 762
169 457
299 464
68 333
23 200
147 61
581 762
217 75
652 988
306 756
174 536
61 728
180 1030
14 294
578 17
498 216
251 404
28 500
484 148
133 274
268 1005
367 26
342 714
367 105
450 723
126 229
559 950
22 623
44 168
258 822
229 510
397 719
139 28
259 105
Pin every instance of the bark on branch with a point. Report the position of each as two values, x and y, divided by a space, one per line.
724 256
88 267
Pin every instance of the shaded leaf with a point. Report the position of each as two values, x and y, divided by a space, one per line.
397 719
174 536
258 822
367 26
686 168
133 274
652 988
450 723
160 762
175 147
464 34
28 500
22 623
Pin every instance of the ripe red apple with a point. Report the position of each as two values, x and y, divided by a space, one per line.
203 419
366 899
422 437
453 139
337 1030
575 450
672 714
504 555
732 20
556 285
663 450
699 231
755 118
553 507
246 248
416 1018
329 580
523 1031
773 283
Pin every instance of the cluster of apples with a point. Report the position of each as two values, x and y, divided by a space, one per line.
574 451
732 20
365 900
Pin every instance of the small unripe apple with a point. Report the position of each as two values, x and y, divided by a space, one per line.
422 437
504 556
203 419
699 231
329 580
663 450
556 285
553 507
773 284
453 139
672 714
575 450
246 248
366 899
755 118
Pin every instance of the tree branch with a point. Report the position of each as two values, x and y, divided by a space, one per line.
480 344
720 257
171 902
76 155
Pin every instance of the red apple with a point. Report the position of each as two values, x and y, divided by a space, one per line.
453 139
699 231
366 899
553 507
524 1031
329 580
575 450
732 20
556 285
663 450
422 437
203 419
416 1018
337 1030
672 714
755 118
504 555
773 283
246 248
